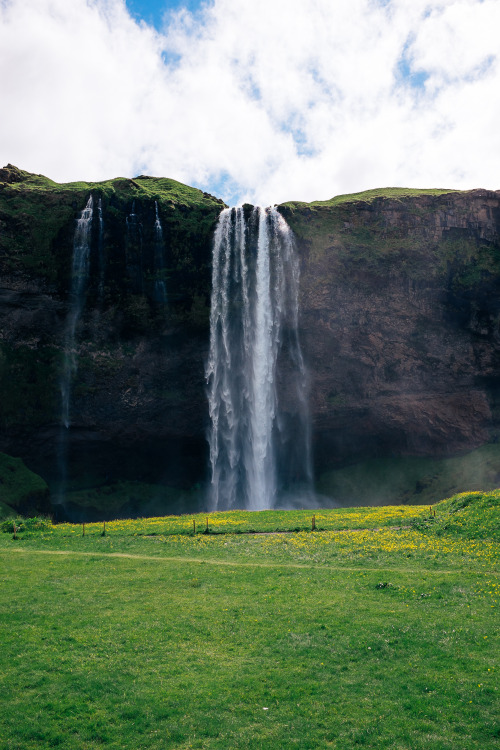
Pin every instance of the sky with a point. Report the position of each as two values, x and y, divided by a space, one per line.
262 101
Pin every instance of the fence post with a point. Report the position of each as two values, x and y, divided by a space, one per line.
314 523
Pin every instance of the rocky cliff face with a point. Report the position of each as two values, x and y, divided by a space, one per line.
138 407
400 326
401 321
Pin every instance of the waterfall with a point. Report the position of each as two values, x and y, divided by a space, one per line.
259 437
160 288
133 251
79 278
101 250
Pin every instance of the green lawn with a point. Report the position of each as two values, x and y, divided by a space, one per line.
378 632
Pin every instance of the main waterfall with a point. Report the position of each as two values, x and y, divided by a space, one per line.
259 436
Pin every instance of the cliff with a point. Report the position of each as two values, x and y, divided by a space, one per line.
138 407
401 327
399 323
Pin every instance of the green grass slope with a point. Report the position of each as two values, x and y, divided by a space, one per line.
473 515
21 490
382 637
22 182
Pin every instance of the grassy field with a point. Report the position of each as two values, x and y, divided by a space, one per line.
379 631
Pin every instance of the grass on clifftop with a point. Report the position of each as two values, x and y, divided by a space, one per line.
383 637
368 196
163 187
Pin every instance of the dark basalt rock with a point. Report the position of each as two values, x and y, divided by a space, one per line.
399 319
400 303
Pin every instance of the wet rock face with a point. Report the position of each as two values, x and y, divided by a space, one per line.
399 325
140 376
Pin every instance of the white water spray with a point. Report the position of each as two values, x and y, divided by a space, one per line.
259 447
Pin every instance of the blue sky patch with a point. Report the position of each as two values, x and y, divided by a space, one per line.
406 74
153 11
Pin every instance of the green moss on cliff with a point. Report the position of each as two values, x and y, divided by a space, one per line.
469 263
37 217
430 236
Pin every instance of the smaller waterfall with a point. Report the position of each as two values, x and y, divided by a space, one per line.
257 387
79 278
102 260
160 288
131 219
133 251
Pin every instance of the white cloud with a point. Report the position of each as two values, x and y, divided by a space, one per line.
278 99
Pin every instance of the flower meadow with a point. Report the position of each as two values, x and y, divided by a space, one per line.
235 522
446 535
377 629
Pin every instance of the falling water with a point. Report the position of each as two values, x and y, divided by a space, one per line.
79 277
101 250
160 289
133 251
259 437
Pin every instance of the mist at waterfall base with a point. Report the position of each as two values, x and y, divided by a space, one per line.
260 437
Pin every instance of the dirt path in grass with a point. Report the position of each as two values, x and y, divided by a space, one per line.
229 563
